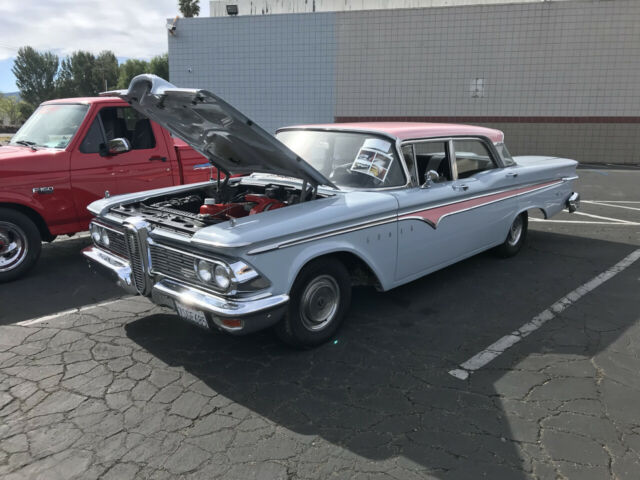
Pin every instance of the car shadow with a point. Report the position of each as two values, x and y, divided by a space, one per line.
61 280
381 389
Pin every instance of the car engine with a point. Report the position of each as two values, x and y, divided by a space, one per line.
209 206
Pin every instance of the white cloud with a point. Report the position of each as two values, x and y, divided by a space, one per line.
129 28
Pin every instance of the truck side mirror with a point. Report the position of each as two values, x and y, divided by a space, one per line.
114 147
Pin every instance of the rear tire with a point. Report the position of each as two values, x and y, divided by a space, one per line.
20 244
516 237
318 302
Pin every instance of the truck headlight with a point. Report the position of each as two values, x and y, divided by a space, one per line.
95 233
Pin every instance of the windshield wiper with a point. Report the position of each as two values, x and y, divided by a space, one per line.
27 143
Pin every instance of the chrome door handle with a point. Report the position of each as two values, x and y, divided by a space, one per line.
460 186
512 174
155 158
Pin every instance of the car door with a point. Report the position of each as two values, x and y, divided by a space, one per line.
448 217
93 173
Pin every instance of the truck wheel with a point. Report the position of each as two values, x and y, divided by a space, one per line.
318 302
20 244
515 238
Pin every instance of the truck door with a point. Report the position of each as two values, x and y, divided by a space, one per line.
144 167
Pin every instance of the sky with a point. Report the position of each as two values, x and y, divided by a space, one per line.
129 28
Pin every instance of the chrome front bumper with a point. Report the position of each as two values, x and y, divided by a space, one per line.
573 202
254 314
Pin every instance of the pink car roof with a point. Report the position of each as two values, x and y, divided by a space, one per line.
413 130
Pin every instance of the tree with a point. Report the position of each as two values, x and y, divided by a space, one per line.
159 66
189 8
130 69
35 74
106 70
83 74
13 110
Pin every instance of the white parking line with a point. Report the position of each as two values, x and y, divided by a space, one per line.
585 222
497 348
46 318
606 204
600 217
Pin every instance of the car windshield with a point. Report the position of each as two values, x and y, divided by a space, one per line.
349 159
51 126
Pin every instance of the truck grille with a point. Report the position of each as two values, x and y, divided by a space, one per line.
132 242
172 263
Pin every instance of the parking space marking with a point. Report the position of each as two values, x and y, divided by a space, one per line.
606 204
600 217
46 318
497 348
585 222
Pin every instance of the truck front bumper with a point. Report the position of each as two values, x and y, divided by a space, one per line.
236 316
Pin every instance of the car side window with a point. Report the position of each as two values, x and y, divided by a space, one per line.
472 156
410 160
93 139
125 122
434 156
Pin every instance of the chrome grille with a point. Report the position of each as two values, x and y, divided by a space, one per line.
174 264
117 243
132 243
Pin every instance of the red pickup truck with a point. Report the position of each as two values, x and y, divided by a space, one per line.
71 152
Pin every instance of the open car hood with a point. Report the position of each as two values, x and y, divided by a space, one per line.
230 140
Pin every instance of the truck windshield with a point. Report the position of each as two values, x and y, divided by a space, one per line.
348 159
51 126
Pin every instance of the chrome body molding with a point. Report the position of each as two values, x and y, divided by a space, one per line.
406 215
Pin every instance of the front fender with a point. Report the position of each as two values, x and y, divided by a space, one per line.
376 246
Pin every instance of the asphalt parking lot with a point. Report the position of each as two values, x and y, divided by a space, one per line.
94 385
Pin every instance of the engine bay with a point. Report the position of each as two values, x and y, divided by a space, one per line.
212 204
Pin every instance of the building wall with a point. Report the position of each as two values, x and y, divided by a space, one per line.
560 78
218 8
278 70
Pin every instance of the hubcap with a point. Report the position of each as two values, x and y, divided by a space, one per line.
515 232
319 303
13 246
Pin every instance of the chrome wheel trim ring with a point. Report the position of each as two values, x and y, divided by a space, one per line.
13 246
515 232
319 303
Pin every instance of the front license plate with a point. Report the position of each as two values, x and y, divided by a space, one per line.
191 315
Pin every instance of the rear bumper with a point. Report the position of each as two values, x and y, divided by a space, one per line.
573 202
253 315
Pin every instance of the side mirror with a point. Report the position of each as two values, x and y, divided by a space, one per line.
114 147
430 177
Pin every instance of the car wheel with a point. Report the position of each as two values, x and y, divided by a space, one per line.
515 238
20 244
318 302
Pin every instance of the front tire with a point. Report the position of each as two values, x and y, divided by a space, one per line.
20 244
318 302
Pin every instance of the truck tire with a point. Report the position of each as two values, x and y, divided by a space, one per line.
20 244
318 302
515 238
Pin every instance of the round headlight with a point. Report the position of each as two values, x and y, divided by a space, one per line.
104 237
204 270
222 277
95 233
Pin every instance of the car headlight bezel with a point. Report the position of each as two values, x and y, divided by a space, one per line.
215 274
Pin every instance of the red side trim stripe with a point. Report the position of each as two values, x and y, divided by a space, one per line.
433 215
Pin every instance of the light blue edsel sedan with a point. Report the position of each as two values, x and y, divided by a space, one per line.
316 209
